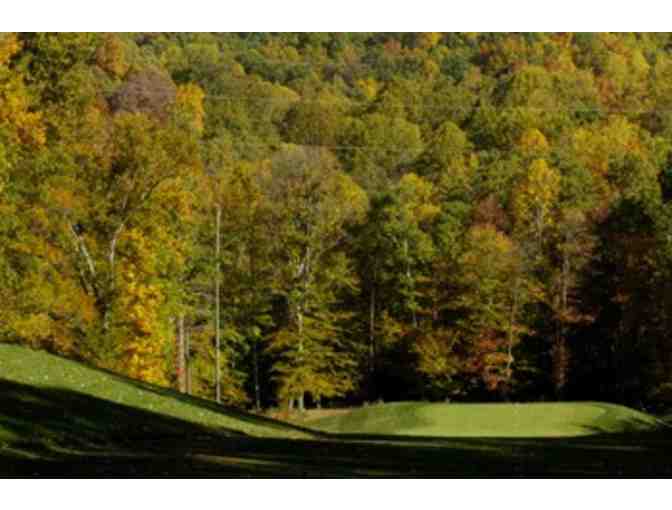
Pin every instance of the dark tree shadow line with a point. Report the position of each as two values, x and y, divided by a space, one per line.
64 433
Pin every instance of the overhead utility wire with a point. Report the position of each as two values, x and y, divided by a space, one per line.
459 108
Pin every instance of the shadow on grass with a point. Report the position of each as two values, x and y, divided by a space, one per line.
218 408
172 394
65 418
65 433
632 427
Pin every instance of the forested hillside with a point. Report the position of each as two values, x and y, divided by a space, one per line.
313 219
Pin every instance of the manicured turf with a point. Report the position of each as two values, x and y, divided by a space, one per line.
489 420
61 418
38 380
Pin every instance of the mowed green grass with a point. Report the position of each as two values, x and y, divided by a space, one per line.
568 419
37 380
62 418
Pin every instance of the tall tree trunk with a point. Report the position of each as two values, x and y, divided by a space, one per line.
372 329
411 285
372 390
253 304
299 320
560 361
181 375
188 360
218 381
304 274
512 317
257 389
560 351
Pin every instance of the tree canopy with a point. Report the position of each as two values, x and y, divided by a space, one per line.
301 219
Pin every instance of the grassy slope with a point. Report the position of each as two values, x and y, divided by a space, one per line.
37 381
60 418
489 420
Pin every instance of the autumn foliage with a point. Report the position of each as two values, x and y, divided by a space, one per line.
308 219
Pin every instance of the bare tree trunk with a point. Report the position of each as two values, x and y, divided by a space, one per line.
181 379
560 352
371 389
560 362
218 382
257 389
372 329
188 360
91 284
512 318
299 320
409 277
113 252
252 268
304 274
79 241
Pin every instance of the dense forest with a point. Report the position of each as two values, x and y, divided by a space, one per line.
311 219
